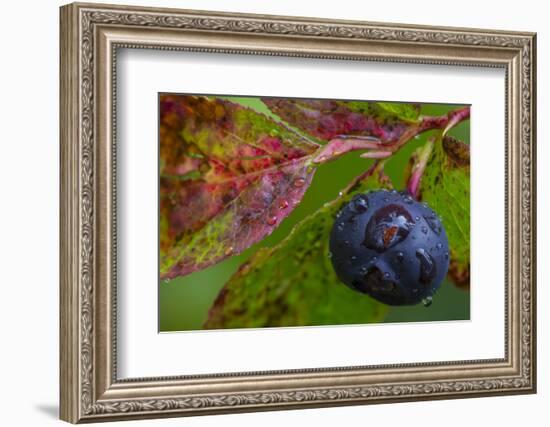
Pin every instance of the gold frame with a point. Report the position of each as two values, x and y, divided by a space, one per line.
90 36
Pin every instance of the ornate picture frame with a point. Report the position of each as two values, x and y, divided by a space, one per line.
90 37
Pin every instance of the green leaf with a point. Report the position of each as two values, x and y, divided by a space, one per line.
294 283
402 110
445 186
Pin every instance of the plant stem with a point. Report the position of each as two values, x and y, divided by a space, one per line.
376 149
421 157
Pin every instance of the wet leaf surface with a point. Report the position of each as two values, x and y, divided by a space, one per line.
445 187
328 119
228 176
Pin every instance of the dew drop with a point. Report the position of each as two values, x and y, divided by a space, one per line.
408 199
229 250
340 194
434 223
353 258
417 218
283 204
428 270
363 270
299 182
346 242
166 280
446 255
321 159
387 275
374 281
271 220
388 226
399 256
439 246
329 255
424 229
359 203
310 169
427 301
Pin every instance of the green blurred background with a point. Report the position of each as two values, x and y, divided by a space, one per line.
184 302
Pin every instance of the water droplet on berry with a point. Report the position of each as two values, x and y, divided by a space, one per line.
346 242
427 301
428 270
434 223
387 275
399 256
439 246
388 226
299 182
353 258
417 218
408 199
446 255
374 281
424 229
359 203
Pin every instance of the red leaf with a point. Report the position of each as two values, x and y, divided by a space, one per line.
229 176
329 119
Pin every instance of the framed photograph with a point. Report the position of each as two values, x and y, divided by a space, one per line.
266 212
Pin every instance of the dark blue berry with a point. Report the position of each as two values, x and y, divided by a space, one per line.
389 246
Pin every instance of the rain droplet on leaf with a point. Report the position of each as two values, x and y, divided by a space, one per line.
299 182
